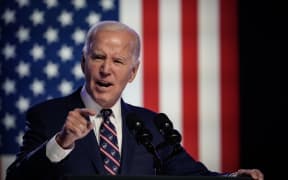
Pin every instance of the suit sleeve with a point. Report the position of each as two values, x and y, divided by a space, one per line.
182 164
31 159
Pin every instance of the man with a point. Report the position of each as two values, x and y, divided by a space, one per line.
65 136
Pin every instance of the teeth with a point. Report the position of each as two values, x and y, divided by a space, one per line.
103 84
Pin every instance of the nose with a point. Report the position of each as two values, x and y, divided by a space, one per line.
105 67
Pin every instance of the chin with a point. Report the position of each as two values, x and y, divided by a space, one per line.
102 101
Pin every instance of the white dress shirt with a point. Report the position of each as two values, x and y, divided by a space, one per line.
56 153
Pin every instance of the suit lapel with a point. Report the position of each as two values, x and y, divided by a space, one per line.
91 146
128 142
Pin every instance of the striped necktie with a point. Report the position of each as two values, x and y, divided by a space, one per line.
109 144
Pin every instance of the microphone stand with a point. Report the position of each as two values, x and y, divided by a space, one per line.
157 161
145 138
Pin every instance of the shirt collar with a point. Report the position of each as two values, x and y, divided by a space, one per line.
91 104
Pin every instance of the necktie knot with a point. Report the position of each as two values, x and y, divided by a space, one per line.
105 113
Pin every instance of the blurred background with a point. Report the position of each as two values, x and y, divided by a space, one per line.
263 92
215 67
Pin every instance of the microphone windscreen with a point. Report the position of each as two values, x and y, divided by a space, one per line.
165 126
174 137
163 123
136 125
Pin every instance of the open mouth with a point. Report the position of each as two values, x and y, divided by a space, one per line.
104 84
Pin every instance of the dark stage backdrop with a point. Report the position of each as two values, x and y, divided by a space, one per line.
263 95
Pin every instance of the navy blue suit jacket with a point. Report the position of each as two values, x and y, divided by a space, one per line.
46 119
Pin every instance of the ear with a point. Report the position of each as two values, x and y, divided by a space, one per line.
134 71
83 64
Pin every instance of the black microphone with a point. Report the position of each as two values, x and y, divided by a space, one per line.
165 126
171 136
136 126
144 137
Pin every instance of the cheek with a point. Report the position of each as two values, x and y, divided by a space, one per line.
90 70
86 72
121 78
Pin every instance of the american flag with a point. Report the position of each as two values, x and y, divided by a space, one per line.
188 66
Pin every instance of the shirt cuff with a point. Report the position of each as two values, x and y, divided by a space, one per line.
54 152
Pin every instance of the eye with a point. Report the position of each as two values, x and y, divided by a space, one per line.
97 56
118 61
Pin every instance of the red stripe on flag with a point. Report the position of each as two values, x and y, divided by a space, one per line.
229 85
150 55
190 76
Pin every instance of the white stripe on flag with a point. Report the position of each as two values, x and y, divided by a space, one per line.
209 90
131 14
170 61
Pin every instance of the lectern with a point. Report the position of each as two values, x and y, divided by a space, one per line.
155 178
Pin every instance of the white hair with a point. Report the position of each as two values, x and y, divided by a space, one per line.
111 26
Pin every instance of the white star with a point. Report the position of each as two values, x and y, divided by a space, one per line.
93 18
51 70
51 35
8 16
65 18
37 87
37 17
23 34
79 4
37 52
65 53
107 4
19 138
9 86
9 51
78 36
9 121
22 104
77 71
22 3
65 87
51 3
23 69
49 97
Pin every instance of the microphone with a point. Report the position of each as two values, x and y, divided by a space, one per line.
135 124
144 137
171 135
165 126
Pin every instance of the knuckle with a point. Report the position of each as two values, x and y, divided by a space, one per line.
71 113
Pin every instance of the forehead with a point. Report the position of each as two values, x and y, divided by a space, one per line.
112 39
106 35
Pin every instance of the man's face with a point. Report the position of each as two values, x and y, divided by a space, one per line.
109 66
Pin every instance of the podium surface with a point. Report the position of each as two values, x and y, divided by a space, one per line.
155 178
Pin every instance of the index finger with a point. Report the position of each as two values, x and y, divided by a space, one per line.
87 112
